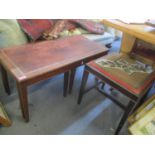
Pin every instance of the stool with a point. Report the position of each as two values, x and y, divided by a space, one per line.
133 84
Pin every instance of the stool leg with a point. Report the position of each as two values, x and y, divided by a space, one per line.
103 84
66 80
72 76
142 99
125 116
83 84
5 80
96 80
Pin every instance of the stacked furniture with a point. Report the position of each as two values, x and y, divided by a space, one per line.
135 86
128 72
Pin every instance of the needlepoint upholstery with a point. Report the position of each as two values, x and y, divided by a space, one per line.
134 82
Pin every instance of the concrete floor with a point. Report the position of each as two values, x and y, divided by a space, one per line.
51 113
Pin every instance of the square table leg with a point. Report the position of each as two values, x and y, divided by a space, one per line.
23 97
83 85
5 80
66 82
71 81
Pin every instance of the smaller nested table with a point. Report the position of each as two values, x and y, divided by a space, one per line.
34 62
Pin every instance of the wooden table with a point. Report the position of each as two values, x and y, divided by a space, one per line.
131 32
34 62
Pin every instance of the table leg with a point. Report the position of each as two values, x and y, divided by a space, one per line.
72 76
5 80
83 85
66 81
22 91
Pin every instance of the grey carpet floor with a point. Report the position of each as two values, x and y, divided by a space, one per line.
51 113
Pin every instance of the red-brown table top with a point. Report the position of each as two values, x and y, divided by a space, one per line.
33 59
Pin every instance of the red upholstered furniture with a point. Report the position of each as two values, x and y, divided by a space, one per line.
131 81
34 28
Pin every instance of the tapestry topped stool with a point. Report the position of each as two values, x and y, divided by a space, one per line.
131 75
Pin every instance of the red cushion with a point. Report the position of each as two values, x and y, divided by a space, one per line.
60 25
34 28
54 32
89 25
70 25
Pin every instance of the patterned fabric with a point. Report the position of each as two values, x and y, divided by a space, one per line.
128 67
89 25
54 32
70 25
34 28
135 83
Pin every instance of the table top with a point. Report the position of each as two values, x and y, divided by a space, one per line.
31 60
141 31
